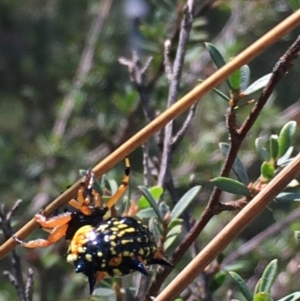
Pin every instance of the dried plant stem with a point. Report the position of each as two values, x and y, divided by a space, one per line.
158 123
83 69
238 223
257 240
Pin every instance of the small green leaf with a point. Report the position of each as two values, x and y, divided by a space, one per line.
242 285
257 85
267 170
218 281
288 196
217 58
146 213
215 55
286 158
231 186
261 296
292 297
273 147
257 286
155 228
269 276
245 77
262 152
174 231
294 4
113 186
155 191
285 137
184 202
151 201
174 222
297 237
163 209
172 235
237 167
235 80
220 93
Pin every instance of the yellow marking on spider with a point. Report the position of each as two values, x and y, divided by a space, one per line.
88 257
122 226
130 230
112 237
117 272
72 257
126 241
114 229
113 251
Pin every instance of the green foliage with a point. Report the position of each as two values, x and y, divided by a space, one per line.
295 4
152 202
231 186
262 291
257 85
241 285
238 167
285 137
155 192
238 80
262 151
184 202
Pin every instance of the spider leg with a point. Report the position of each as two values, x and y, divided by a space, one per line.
53 222
159 259
84 194
56 234
97 198
122 188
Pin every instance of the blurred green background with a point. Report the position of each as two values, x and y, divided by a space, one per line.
42 46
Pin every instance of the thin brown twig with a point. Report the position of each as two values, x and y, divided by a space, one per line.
137 77
16 279
180 134
167 60
199 11
214 206
254 242
29 285
84 67
184 35
147 173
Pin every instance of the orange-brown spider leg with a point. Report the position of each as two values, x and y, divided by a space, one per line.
122 188
53 222
56 234
83 201
97 198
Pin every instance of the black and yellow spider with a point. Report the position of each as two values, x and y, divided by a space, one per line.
100 247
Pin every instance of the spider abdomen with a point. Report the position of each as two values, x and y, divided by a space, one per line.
115 247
